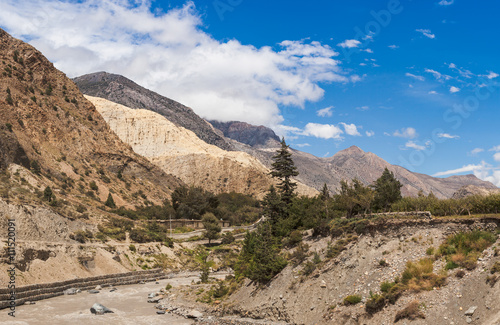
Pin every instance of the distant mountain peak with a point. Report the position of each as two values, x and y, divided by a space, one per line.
252 135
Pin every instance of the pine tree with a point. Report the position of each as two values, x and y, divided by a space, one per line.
325 196
110 202
387 190
273 206
211 225
284 169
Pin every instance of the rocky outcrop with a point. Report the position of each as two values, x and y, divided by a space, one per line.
180 152
254 136
123 91
470 190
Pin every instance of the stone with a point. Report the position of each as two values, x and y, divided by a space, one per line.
152 295
99 309
468 319
155 300
323 284
98 288
470 311
71 291
94 291
113 289
160 312
194 314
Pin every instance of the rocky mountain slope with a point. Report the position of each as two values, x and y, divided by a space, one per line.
254 136
50 135
261 142
180 152
124 91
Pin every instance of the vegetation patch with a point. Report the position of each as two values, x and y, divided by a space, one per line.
411 312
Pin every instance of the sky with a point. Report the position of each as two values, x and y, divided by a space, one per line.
415 82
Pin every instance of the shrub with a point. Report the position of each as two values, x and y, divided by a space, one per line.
300 253
168 286
411 312
110 202
227 238
309 268
495 268
375 304
352 300
383 263
430 251
132 248
386 286
460 274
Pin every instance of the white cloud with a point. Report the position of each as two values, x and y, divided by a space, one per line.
454 89
368 51
426 33
438 75
370 133
323 131
363 108
482 171
362 64
393 47
324 112
464 169
413 145
433 92
476 151
495 148
301 145
172 54
445 2
414 76
497 156
349 43
448 136
409 133
351 129
491 75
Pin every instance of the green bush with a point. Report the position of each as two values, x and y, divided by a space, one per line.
352 300
375 304
386 286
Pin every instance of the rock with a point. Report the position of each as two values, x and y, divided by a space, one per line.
117 258
113 289
470 311
194 314
99 309
468 320
160 312
152 295
155 300
323 284
142 282
71 291
93 291
98 287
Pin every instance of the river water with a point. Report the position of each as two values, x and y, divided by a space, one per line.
129 304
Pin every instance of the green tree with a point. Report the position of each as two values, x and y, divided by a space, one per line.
273 206
48 194
355 198
110 202
283 168
211 225
387 190
193 202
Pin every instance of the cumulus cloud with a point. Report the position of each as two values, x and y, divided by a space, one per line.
349 43
448 136
413 145
323 131
496 156
438 75
495 148
411 75
409 133
491 75
370 133
454 89
426 33
464 169
351 129
170 53
325 112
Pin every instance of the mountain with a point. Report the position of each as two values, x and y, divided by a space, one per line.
261 143
51 136
123 91
254 136
180 152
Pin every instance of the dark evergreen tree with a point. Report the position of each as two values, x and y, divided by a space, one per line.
284 169
273 206
110 202
387 190
48 195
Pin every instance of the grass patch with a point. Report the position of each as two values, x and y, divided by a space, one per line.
352 300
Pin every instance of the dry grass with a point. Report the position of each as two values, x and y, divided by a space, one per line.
411 312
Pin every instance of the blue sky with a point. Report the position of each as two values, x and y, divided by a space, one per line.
415 82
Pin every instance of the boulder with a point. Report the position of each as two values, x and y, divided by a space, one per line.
99 309
98 287
71 291
470 311
94 291
194 314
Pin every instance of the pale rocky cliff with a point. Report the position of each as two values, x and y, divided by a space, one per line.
180 152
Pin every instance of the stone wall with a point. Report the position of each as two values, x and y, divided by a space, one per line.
48 290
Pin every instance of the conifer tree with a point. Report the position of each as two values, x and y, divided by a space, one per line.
387 190
284 169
